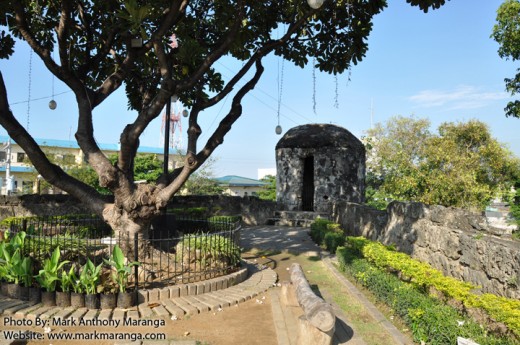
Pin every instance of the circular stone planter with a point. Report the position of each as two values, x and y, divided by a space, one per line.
126 299
49 298
77 300
63 299
92 301
108 301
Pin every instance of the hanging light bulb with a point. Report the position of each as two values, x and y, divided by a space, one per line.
175 98
185 113
52 104
278 130
315 4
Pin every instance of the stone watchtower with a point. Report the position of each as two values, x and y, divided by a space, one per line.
318 164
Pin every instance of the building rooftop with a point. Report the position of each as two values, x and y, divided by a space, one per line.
72 144
18 169
239 181
317 136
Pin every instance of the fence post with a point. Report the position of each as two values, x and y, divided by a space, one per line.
24 225
136 258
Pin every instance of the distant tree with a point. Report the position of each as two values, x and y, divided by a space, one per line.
88 176
203 181
268 192
147 167
515 207
507 33
461 166
393 149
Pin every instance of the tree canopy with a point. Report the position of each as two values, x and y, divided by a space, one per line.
268 192
461 165
507 33
157 49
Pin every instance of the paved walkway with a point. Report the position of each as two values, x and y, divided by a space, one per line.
296 240
259 280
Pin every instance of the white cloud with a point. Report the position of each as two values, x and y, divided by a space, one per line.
462 97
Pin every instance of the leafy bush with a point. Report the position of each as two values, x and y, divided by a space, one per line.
122 269
423 276
321 227
195 212
81 225
333 240
210 248
429 320
222 223
48 275
90 277
318 229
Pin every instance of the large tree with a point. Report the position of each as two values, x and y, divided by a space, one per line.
461 165
507 33
182 41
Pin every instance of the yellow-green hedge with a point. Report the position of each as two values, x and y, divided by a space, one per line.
501 309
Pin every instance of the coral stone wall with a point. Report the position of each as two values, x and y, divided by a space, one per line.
253 210
455 241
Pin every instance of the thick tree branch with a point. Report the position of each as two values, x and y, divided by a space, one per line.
50 172
62 34
192 161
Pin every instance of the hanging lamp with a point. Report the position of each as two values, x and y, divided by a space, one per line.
315 4
52 103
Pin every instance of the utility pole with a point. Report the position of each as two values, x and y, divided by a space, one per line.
167 136
8 177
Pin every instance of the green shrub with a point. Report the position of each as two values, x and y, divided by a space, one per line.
424 277
429 320
193 212
222 223
499 308
321 227
318 229
208 249
333 240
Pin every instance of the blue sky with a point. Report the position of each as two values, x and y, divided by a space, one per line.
442 65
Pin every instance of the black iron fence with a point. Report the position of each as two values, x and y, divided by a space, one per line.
176 249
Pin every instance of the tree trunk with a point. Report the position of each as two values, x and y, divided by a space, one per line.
127 231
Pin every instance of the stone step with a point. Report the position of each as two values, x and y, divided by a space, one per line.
300 215
295 218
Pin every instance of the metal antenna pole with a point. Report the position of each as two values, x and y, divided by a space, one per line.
167 137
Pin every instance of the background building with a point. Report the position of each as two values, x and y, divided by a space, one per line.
240 186
17 170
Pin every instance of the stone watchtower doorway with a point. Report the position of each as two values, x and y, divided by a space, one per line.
318 164
308 184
